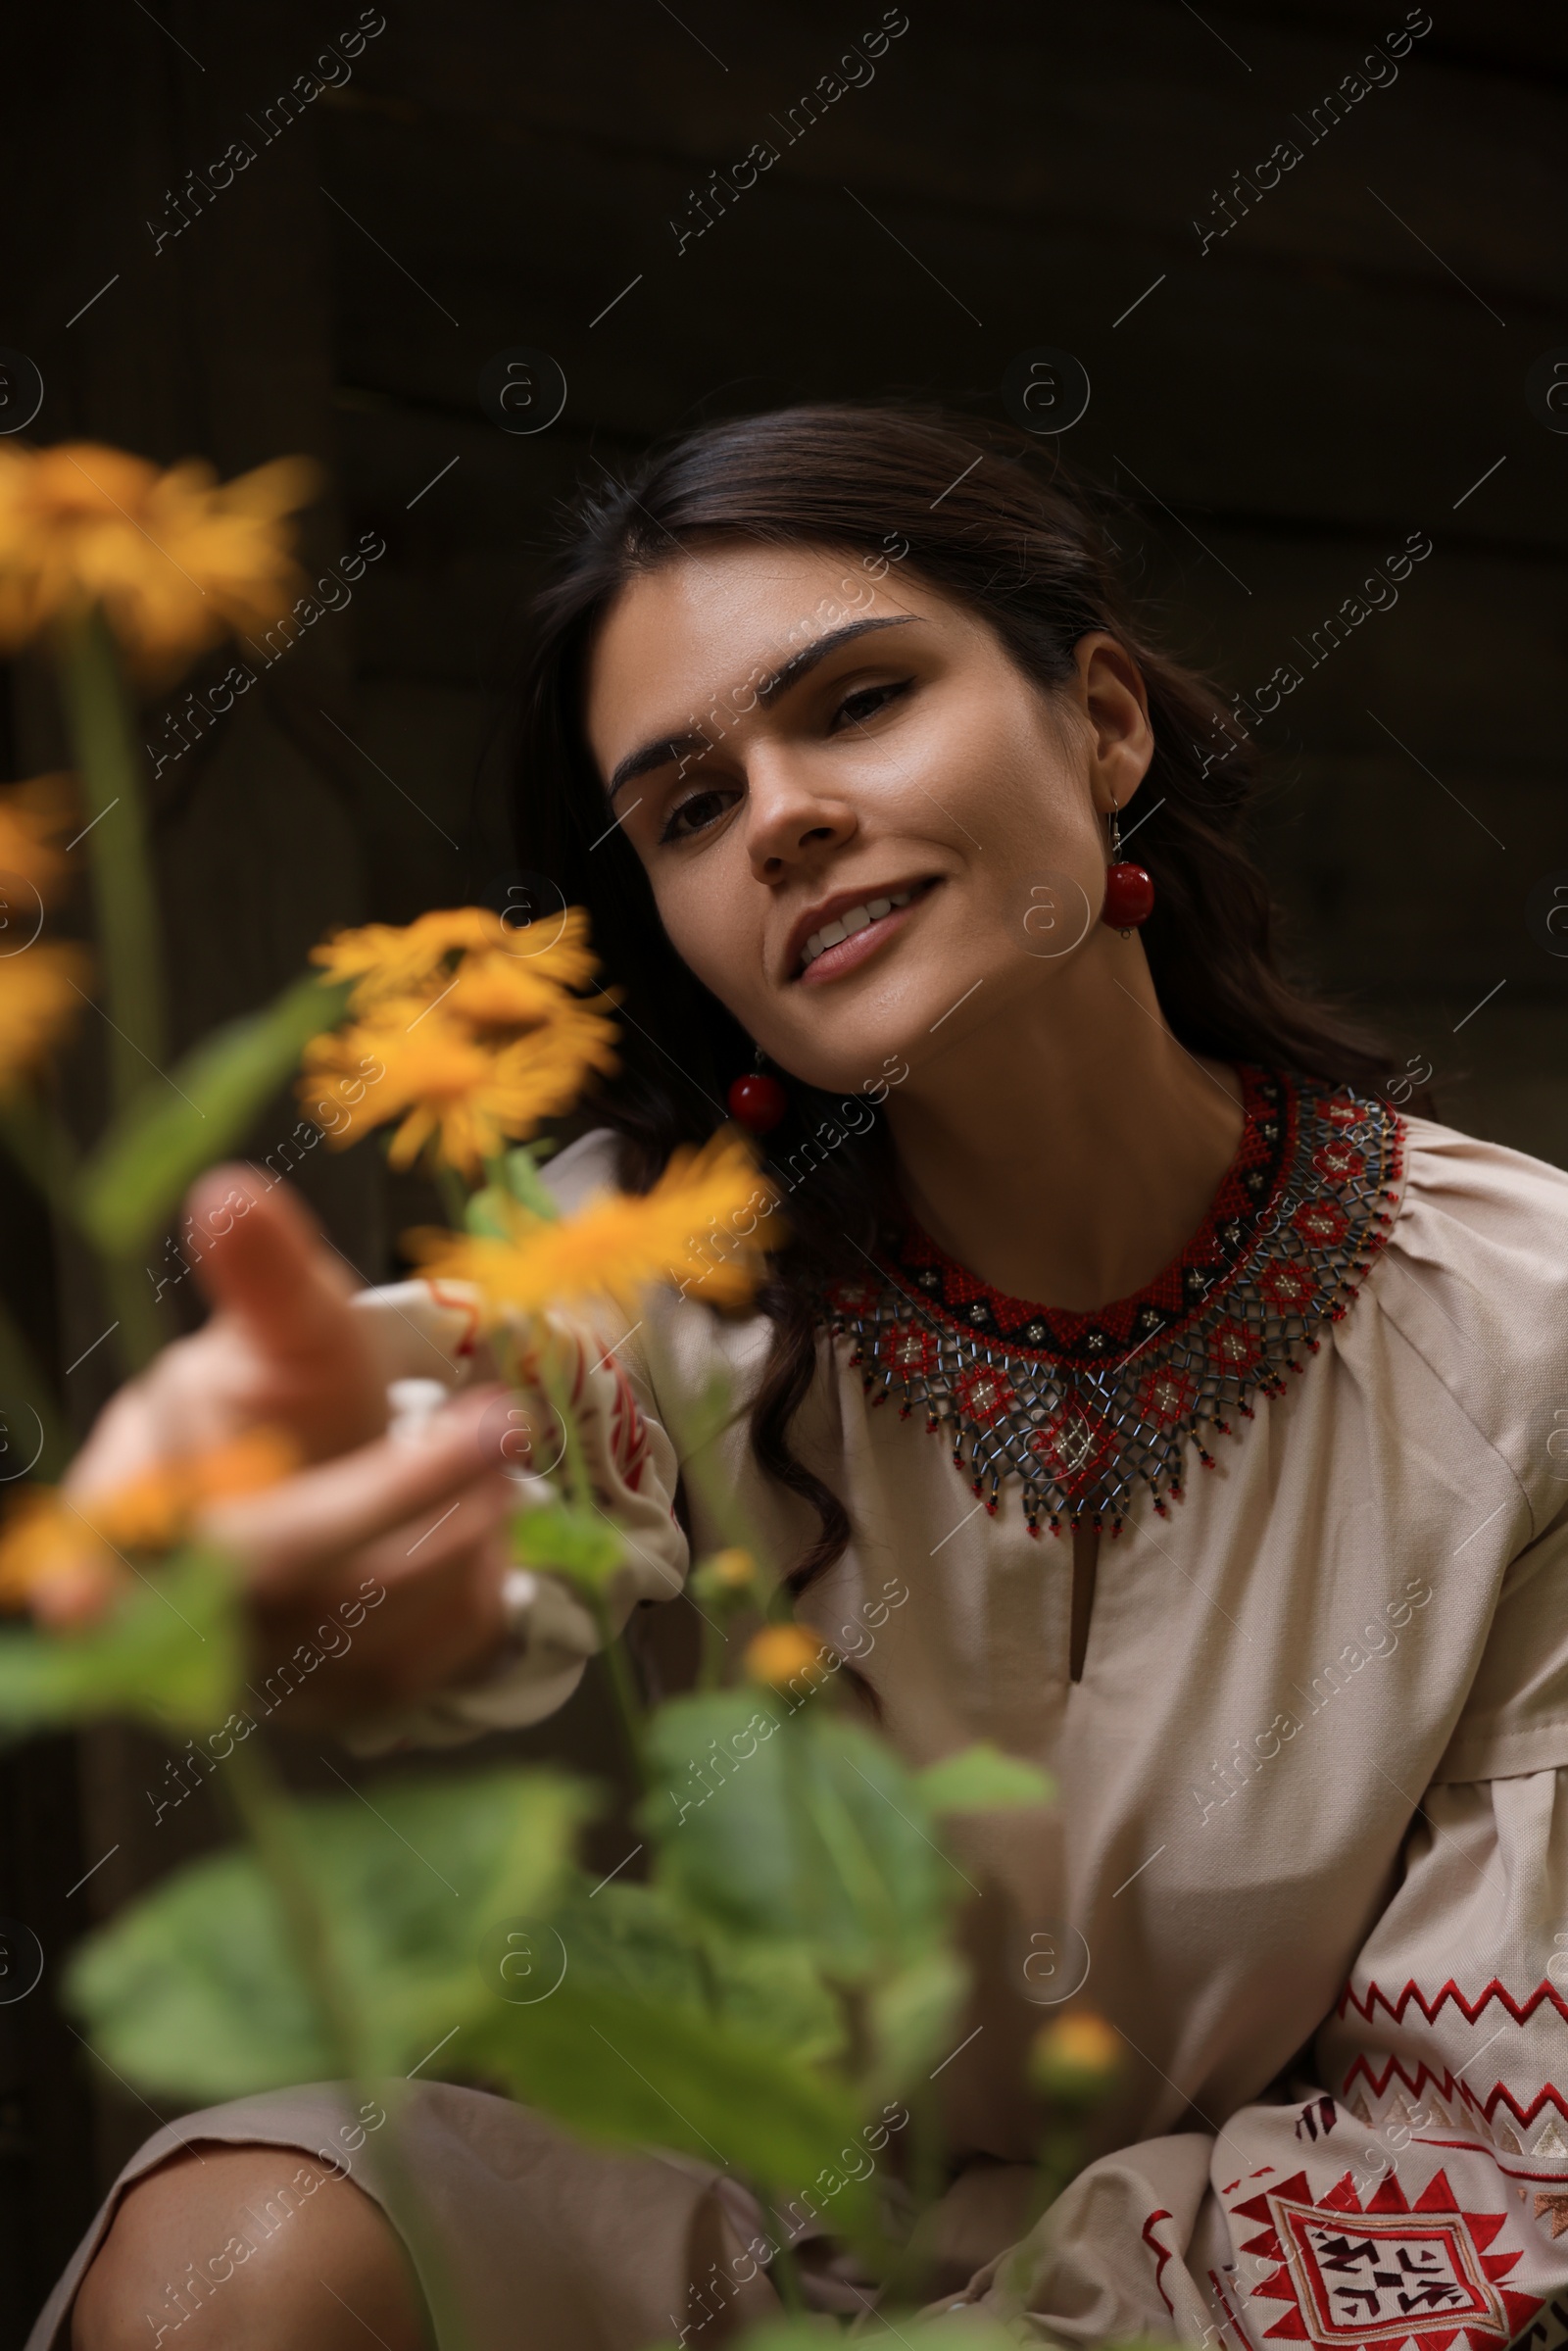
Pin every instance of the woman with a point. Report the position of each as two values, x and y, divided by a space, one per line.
836 720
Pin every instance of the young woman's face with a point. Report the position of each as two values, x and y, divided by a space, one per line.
867 832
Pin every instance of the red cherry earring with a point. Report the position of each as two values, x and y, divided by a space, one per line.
1129 889
757 1102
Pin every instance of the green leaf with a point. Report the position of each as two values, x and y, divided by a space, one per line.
194 1993
806 1829
564 1540
524 1182
982 1779
484 1213
912 2015
635 1939
169 1651
180 1124
636 2072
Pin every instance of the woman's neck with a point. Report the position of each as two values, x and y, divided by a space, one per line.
1069 1151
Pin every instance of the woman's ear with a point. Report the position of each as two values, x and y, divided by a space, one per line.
1114 702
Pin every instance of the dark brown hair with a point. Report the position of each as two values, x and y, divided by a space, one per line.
981 512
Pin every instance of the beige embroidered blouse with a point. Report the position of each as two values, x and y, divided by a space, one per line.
1310 1856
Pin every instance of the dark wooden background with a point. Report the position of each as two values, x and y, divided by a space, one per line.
1342 368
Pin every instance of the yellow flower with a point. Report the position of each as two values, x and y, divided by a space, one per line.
453 1090
176 560
733 1570
727 1581
30 816
1075 2059
388 959
40 991
689 1232
476 1039
780 1653
63 1555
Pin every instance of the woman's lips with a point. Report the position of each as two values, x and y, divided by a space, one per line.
834 962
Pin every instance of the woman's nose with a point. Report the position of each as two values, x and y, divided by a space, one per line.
792 815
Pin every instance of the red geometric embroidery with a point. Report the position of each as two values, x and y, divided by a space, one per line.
1287 1286
909 1351
1167 1395
1337 1161
1520 2011
1073 1447
1386 2272
1454 2087
851 1296
1162 2254
1321 1222
1233 1347
468 1309
984 1395
1027 1390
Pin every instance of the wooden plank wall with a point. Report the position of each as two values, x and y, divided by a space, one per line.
1282 405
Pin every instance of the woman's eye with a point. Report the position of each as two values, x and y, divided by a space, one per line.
695 815
865 701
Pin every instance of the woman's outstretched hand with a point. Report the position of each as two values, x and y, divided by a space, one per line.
419 1522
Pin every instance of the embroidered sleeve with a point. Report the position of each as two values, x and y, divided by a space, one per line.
428 1334
1412 2194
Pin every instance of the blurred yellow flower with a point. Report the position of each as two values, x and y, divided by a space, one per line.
389 960
63 1555
727 1581
733 1570
32 814
42 989
1075 2059
699 1230
451 1089
476 1039
176 560
781 1653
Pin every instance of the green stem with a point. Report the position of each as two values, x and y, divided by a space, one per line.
785 2267
273 1826
22 1381
43 1149
135 1309
715 1645
37 1140
109 763
573 1460
911 2261
625 1692
1063 2155
454 1195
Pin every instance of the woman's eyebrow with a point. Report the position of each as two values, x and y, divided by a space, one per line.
665 748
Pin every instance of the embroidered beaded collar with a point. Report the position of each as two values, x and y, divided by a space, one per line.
1086 1408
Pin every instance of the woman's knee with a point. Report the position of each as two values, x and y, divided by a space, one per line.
247 2247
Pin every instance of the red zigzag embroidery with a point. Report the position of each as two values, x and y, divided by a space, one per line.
1449 2085
1376 1997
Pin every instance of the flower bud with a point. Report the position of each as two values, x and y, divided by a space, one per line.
1074 2059
781 1652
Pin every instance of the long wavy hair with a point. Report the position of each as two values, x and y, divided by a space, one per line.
981 512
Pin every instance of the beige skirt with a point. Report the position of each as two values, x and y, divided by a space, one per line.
557 2246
